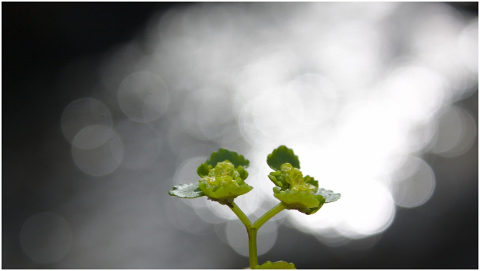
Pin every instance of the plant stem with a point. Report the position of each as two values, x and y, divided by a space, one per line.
252 246
275 210
240 215
252 233
252 229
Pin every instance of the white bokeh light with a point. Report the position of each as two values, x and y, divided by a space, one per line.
368 208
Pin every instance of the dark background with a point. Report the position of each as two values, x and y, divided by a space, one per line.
40 39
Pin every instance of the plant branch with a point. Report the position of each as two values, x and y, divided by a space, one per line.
275 210
240 214
252 234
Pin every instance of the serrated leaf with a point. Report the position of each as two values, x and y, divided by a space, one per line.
328 195
276 265
224 154
280 156
186 191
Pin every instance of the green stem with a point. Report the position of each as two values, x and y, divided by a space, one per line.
252 246
275 210
240 215
252 234
252 229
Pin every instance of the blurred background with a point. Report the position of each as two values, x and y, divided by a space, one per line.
107 106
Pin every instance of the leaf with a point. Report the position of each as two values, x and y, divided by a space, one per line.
328 195
203 169
311 211
224 154
243 173
297 199
324 196
273 178
280 156
276 265
311 180
186 191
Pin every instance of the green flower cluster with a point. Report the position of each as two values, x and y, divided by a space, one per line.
224 182
295 190
222 178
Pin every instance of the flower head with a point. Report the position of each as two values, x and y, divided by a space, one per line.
291 187
224 182
295 190
222 178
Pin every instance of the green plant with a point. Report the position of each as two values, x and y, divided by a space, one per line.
223 179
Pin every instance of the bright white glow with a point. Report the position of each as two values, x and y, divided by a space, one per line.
324 219
468 46
46 237
272 116
367 207
353 47
421 136
416 92
318 97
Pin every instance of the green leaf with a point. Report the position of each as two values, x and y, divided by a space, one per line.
203 169
276 265
324 196
328 195
297 199
186 191
310 211
224 154
311 180
243 173
280 156
273 177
